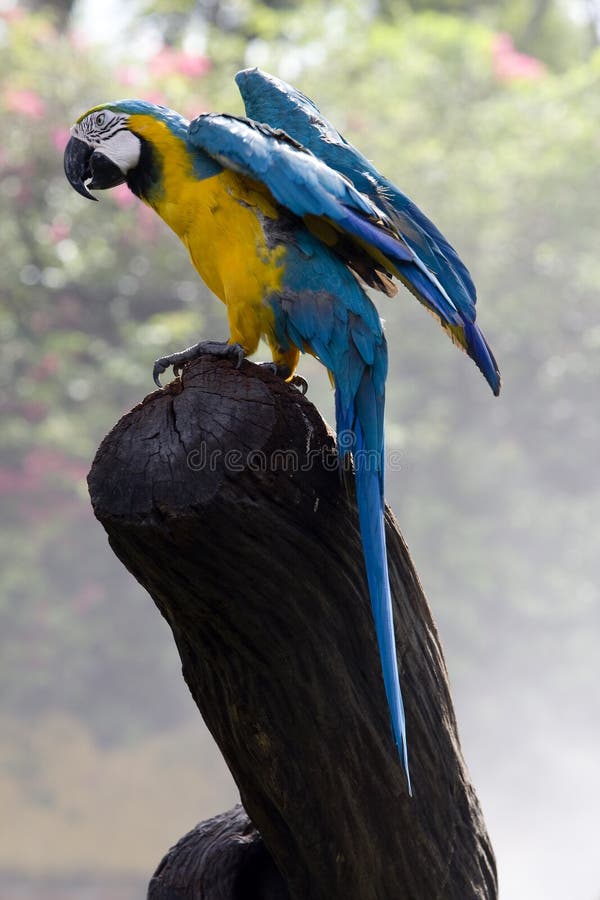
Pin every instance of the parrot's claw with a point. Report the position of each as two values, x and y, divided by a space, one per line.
202 348
299 382
283 372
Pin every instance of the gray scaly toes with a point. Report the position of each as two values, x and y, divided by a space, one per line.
202 348
283 372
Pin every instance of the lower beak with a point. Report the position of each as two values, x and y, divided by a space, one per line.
88 168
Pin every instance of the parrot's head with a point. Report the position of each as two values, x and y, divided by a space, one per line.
111 144
102 150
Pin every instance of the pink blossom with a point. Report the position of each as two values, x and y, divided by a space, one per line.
69 313
11 481
47 366
79 40
193 66
129 75
156 97
169 61
12 14
123 196
60 138
25 102
41 321
197 110
31 410
148 222
40 467
42 462
58 231
34 411
510 65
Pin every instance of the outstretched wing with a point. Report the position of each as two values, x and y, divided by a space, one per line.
270 100
329 204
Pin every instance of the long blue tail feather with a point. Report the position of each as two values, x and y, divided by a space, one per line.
371 518
363 414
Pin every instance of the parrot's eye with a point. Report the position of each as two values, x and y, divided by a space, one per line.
100 119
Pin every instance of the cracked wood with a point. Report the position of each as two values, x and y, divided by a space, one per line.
220 496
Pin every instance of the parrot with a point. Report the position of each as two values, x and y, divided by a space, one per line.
289 225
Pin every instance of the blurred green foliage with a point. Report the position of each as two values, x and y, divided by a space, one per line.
496 496
86 302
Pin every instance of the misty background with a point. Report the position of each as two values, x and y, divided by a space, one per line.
487 115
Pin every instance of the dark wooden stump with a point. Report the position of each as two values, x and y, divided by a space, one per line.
221 497
222 859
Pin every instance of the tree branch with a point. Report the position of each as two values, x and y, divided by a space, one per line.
220 497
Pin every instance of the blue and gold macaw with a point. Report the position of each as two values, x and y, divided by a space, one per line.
287 223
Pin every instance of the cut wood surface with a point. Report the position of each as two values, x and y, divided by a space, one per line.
220 494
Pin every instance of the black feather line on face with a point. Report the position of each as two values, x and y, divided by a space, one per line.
146 180
95 134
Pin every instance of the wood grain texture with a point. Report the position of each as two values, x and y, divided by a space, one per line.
223 858
221 496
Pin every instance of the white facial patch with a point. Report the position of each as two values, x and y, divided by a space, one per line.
123 149
107 132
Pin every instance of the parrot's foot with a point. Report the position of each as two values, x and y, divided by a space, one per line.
202 348
299 382
283 372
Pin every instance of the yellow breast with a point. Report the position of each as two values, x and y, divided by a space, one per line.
219 219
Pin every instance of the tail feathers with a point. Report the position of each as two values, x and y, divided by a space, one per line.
370 508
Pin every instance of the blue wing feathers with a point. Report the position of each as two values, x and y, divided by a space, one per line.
479 350
296 178
435 274
308 187
429 242
431 296
270 100
395 250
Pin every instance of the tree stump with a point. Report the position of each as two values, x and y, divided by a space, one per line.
221 495
222 859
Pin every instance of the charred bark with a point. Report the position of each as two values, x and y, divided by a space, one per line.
221 496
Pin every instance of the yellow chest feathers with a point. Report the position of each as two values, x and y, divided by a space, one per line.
218 219
225 237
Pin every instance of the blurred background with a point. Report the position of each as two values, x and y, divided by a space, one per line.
488 115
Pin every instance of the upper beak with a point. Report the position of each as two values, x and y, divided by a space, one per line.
88 168
77 166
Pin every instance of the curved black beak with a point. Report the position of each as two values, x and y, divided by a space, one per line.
77 166
88 168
